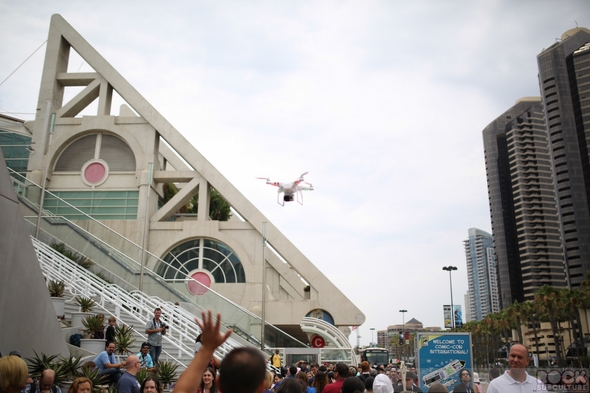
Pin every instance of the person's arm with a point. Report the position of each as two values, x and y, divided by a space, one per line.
107 362
211 338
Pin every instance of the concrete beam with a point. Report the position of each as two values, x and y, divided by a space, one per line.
77 78
175 176
177 201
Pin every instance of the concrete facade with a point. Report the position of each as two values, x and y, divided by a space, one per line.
28 321
125 146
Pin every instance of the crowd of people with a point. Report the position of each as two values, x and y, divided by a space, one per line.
14 378
244 370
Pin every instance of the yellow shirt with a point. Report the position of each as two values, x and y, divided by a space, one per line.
276 360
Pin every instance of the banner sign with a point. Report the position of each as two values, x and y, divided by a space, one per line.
441 357
458 316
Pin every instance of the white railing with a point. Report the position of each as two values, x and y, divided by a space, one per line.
139 306
323 328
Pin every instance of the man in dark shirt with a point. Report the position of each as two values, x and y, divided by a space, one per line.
128 382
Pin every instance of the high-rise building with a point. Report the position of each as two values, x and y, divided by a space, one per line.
564 78
523 211
481 275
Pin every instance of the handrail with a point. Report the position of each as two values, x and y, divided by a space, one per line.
80 281
125 259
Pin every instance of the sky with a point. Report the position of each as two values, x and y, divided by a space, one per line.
383 102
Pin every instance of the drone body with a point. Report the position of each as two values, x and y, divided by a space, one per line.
290 190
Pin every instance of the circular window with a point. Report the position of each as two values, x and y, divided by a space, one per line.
95 172
202 256
202 284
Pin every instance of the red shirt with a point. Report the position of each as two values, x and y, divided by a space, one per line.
334 387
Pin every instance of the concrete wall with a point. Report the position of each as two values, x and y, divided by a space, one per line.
27 317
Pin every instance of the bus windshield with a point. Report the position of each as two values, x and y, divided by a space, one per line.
375 356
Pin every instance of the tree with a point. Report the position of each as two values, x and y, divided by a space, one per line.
219 209
515 311
549 298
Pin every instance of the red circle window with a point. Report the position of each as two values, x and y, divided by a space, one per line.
199 289
95 172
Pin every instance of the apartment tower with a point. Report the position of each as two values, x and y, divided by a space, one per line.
483 297
564 79
523 211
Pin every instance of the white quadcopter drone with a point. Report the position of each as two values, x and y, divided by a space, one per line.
290 189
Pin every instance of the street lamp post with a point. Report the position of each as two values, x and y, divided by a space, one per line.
372 337
403 329
404 317
450 270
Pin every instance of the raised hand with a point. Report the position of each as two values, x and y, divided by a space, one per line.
211 335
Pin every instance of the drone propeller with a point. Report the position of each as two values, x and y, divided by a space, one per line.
303 174
263 178
310 188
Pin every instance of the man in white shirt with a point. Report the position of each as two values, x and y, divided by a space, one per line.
517 380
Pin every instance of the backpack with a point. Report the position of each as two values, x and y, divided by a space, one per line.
75 339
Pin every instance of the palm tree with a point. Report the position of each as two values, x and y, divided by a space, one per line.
515 311
549 297
531 310
490 328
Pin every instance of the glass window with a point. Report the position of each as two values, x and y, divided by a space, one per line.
100 205
210 255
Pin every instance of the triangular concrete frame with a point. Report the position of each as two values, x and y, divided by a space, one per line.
202 175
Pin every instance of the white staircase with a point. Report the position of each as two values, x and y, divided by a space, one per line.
130 308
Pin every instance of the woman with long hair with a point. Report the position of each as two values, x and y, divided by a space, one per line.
269 382
208 383
301 375
151 385
319 382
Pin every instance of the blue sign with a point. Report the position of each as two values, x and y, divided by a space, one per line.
441 357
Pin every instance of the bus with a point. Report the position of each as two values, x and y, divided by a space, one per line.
375 356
